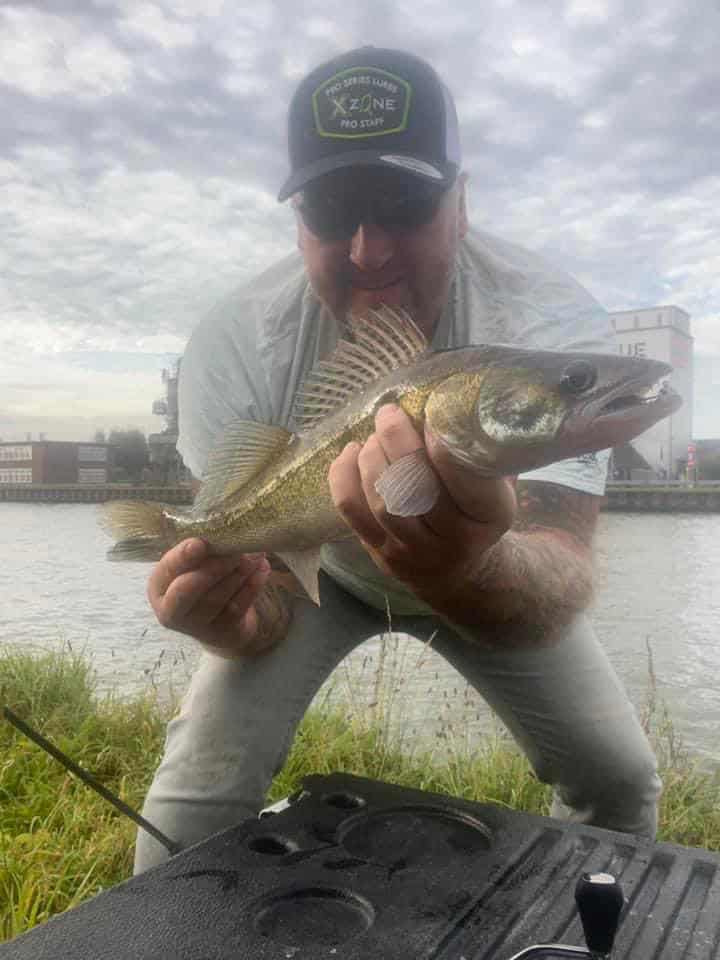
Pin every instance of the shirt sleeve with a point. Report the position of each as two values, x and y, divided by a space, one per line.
587 473
220 380
246 357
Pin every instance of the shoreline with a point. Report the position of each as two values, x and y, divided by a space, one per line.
630 498
92 493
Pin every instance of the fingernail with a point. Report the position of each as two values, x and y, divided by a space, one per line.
194 549
254 559
253 562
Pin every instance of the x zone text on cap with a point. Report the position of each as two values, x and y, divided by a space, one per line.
372 107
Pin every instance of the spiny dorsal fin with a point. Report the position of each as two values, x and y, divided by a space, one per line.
244 449
384 340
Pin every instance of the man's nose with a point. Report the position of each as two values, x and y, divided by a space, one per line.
371 247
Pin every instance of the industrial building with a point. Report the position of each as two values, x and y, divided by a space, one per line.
54 461
660 333
166 465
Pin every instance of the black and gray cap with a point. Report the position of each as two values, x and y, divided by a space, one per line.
372 107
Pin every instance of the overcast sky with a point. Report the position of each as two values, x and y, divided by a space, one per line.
142 146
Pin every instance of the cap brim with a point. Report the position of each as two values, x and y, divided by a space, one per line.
442 174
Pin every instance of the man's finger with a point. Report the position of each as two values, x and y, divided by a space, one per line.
401 496
349 498
395 431
180 559
245 595
228 590
191 589
482 499
372 463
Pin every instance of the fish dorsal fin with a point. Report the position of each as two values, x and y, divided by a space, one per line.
383 340
244 449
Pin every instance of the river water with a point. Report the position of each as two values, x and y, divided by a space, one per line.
657 590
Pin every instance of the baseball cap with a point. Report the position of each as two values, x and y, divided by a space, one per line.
372 107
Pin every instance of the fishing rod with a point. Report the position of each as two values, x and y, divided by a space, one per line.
90 780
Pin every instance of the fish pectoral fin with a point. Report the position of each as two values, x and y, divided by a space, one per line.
305 565
244 449
409 486
137 548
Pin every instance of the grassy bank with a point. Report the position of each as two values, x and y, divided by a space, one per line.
60 843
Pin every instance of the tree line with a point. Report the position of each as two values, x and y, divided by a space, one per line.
131 454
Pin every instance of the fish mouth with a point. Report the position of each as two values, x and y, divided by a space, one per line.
626 410
626 402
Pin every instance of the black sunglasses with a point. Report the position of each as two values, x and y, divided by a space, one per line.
334 206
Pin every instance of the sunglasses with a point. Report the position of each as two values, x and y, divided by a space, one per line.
333 207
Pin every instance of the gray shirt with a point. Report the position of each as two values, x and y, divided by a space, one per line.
248 356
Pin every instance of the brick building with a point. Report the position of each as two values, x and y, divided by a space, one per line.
54 461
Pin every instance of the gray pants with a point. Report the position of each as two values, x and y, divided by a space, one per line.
564 706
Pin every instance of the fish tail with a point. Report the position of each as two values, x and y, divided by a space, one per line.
142 528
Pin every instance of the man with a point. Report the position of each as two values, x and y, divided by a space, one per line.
501 578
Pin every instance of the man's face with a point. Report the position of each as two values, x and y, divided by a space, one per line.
371 237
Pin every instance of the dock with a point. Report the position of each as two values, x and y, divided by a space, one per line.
93 492
663 498
628 498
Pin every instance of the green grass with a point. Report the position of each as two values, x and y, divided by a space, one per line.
60 843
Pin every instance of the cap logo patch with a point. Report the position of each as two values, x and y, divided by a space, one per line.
361 102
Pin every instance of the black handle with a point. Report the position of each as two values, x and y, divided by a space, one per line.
599 899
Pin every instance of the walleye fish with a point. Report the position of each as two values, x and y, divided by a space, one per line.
499 409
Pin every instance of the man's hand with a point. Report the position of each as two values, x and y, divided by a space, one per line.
443 546
520 586
210 598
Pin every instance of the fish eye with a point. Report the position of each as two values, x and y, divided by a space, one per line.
578 376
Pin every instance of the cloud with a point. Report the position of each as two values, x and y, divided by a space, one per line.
157 26
143 144
49 55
